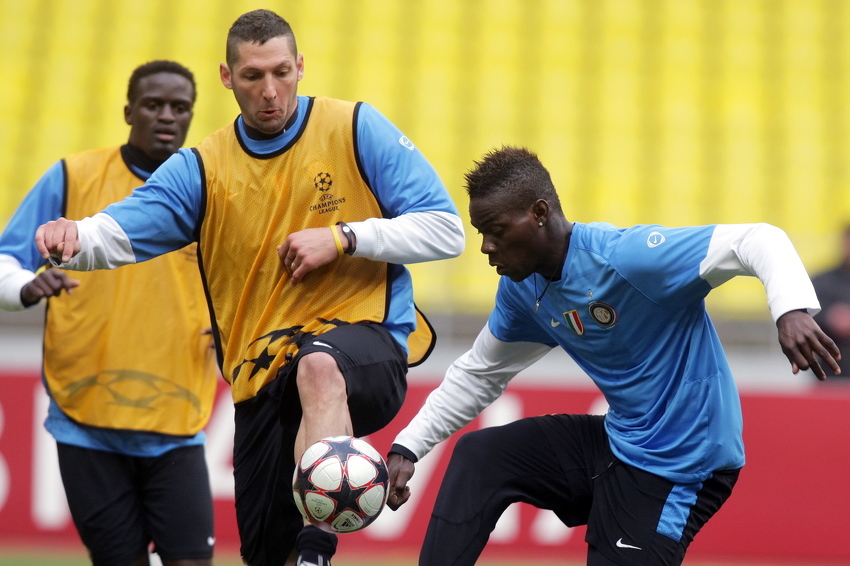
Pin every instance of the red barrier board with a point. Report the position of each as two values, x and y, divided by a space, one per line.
792 501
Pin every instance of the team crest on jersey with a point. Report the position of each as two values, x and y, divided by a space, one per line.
602 314
574 322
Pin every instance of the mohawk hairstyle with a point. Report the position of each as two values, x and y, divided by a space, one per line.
513 176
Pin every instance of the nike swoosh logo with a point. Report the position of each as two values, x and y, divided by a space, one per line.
621 544
554 323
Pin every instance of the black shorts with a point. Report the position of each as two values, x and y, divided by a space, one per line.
565 463
120 504
375 371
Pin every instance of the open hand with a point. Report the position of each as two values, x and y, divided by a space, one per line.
804 343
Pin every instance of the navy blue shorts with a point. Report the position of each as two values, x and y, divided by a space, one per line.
375 371
121 504
565 463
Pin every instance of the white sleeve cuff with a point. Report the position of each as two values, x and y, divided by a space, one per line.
13 277
410 238
103 245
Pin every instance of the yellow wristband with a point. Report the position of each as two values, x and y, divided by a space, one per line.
337 240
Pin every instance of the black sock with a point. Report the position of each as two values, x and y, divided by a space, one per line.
313 543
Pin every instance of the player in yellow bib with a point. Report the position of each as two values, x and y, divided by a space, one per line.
128 361
305 211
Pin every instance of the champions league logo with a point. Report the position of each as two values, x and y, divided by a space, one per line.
323 181
327 203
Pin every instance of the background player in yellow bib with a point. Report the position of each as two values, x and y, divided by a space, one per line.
127 362
305 211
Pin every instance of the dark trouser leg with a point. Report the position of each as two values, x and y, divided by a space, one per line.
493 468
263 462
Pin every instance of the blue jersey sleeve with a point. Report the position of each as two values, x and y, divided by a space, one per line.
510 320
397 172
44 202
161 216
664 263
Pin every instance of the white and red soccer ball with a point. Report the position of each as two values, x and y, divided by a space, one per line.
341 484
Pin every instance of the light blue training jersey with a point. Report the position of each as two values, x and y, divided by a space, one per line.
629 309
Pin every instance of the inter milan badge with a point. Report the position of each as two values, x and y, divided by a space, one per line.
602 314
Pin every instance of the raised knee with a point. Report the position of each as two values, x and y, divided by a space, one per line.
475 449
319 375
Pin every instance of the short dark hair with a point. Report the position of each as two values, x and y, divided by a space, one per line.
153 68
514 176
257 26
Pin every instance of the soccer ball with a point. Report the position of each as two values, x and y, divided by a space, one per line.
341 484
